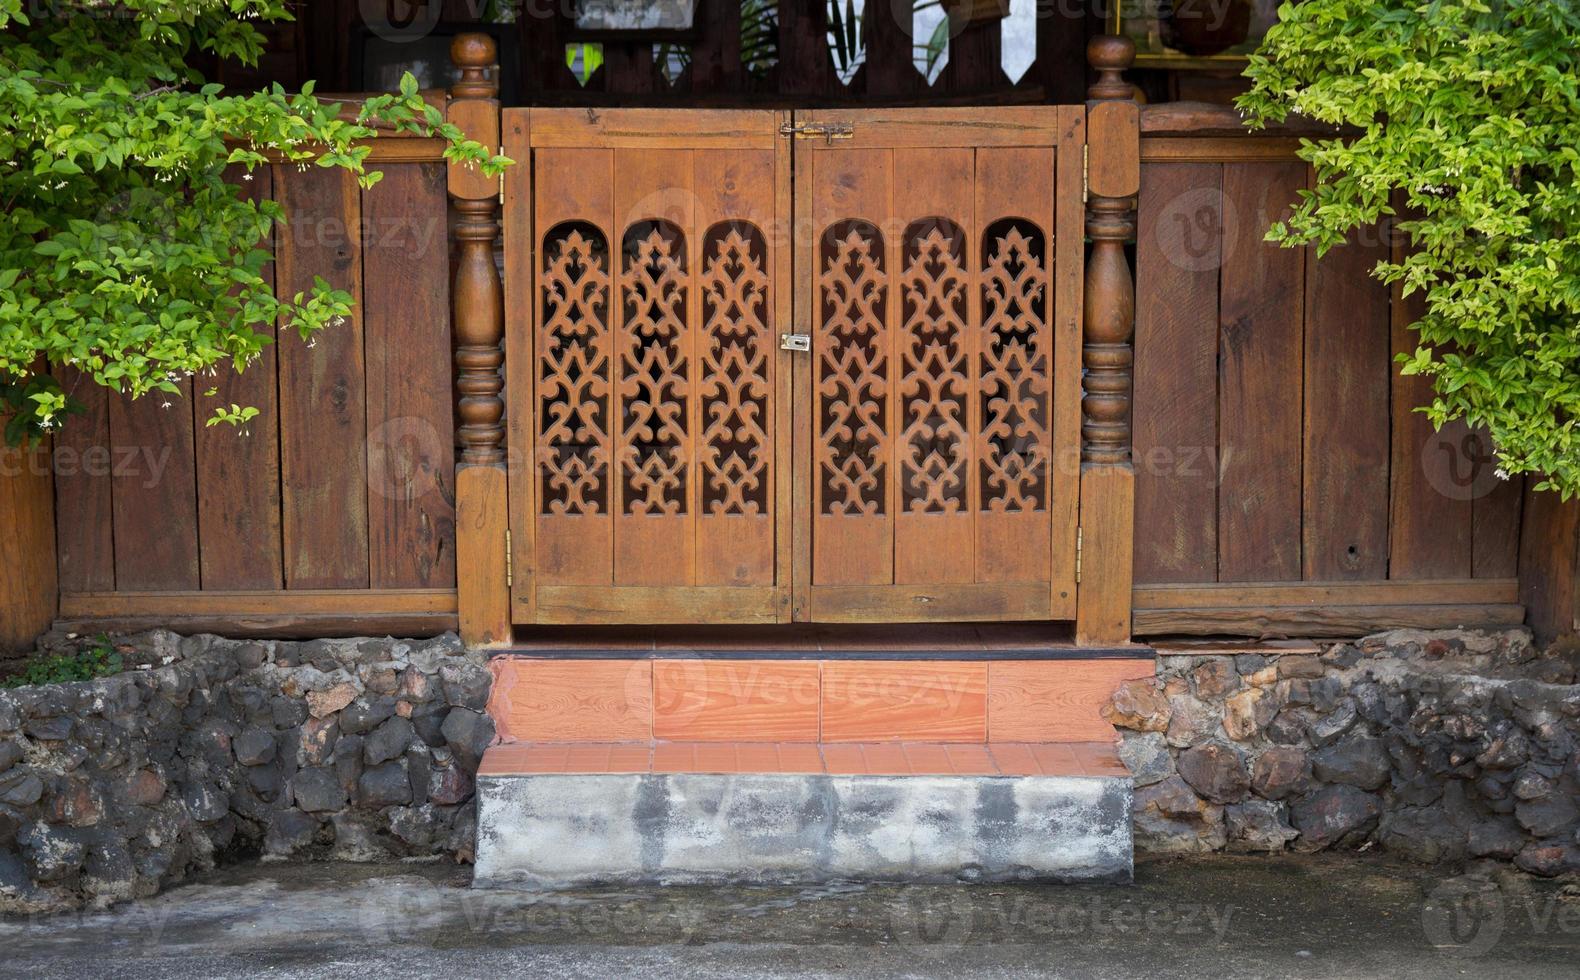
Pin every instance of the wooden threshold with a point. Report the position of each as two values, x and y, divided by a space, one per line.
816 641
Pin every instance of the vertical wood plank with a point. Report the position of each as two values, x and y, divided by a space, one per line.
1495 520
323 404
1069 252
238 470
716 66
1061 39
1260 327
1345 493
890 69
1432 476
788 291
1014 185
28 575
803 428
520 285
974 59
411 425
655 414
1549 540
1178 241
575 543
154 492
736 469
85 538
629 68
805 66
852 363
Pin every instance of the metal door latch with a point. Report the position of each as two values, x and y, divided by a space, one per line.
795 341
828 132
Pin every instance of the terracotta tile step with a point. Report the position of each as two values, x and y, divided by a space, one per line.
1090 759
837 700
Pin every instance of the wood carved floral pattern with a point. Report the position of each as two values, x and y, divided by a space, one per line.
1014 386
733 382
935 373
573 371
853 371
654 370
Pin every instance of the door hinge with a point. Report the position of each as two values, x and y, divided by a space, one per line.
1079 545
1086 173
510 564
828 132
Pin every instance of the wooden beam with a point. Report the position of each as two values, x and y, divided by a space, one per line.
273 626
259 603
1209 118
1219 149
1253 595
1335 621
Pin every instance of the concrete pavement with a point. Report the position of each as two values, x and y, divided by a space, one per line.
1219 917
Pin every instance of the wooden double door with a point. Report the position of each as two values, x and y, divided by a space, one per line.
819 366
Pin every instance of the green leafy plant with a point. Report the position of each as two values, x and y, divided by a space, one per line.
759 35
98 660
1470 111
124 252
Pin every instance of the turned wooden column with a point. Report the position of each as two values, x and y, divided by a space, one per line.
482 583
1103 612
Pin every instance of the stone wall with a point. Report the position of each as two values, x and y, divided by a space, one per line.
1438 746
352 749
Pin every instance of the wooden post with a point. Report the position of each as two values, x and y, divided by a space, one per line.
1107 476
481 515
28 580
1549 539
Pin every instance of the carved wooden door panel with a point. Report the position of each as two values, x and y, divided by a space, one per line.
938 268
644 301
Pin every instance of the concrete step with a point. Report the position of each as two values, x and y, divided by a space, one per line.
641 812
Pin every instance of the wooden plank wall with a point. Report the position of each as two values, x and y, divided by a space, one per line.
345 480
1275 441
